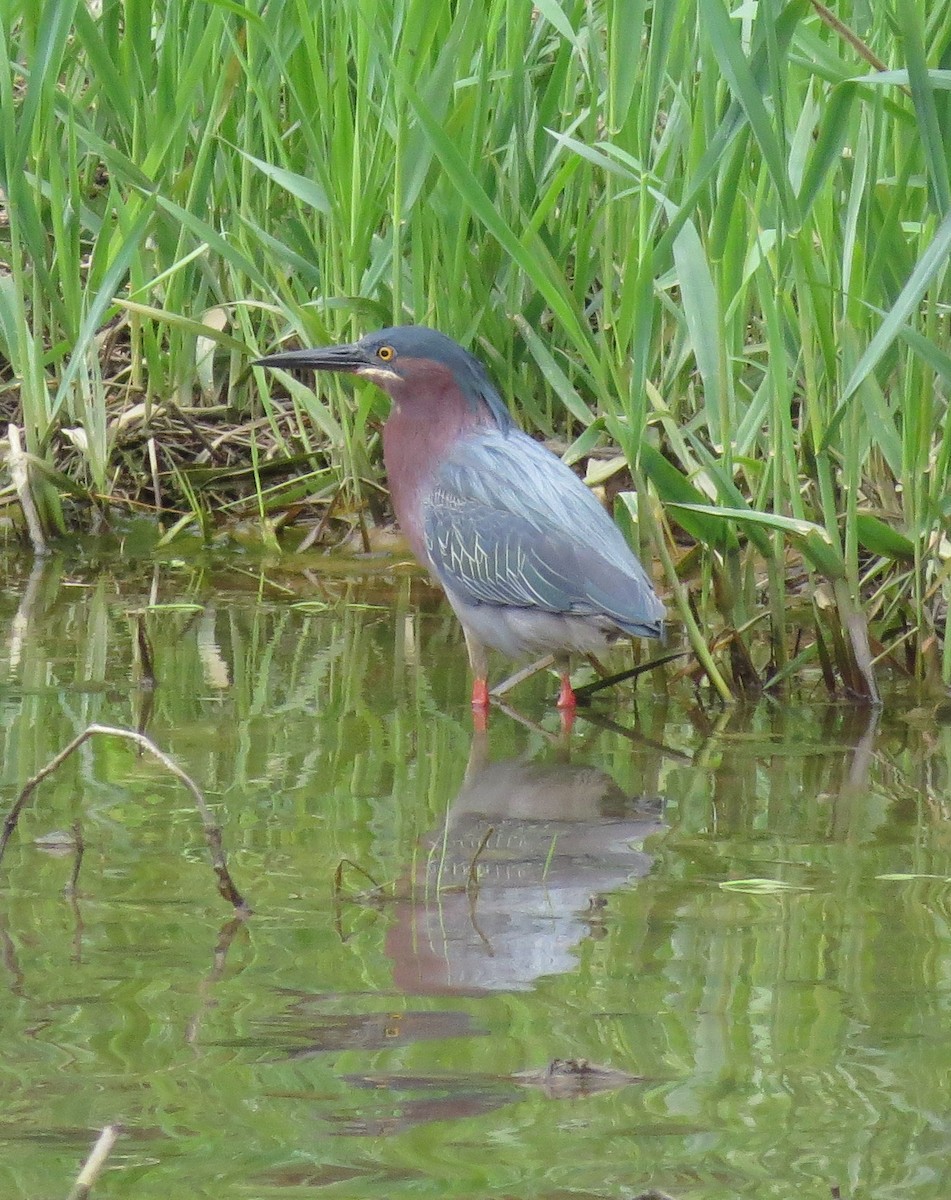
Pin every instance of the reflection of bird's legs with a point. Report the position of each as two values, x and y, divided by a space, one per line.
478 751
566 696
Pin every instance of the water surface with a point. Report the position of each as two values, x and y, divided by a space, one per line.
742 916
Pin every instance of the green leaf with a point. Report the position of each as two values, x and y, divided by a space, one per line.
937 78
187 324
532 258
813 540
911 24
762 887
55 25
906 876
931 262
702 314
673 488
553 13
834 130
585 442
105 296
205 232
878 538
939 360
305 189
557 379
724 38
180 606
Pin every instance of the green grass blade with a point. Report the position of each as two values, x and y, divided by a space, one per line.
931 264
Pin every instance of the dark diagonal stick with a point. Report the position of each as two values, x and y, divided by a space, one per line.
587 690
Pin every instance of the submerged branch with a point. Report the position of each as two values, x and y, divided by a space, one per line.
226 886
92 1167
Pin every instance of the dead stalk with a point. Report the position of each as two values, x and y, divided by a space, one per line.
472 883
19 465
86 1179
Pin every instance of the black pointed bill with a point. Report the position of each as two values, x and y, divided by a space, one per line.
352 359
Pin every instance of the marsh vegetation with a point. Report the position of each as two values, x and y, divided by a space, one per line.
705 253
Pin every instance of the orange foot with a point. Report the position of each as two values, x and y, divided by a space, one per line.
566 697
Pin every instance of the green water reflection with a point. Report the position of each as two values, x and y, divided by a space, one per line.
345 1042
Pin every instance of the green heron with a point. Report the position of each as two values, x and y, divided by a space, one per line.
529 559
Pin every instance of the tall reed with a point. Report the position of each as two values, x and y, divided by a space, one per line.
718 242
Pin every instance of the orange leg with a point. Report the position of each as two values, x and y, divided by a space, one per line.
480 672
566 697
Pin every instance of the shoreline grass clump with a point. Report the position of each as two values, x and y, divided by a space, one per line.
714 246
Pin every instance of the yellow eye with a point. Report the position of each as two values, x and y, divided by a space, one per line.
385 353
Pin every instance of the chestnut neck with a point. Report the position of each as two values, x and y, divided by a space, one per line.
426 420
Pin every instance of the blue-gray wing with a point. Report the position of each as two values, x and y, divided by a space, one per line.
508 524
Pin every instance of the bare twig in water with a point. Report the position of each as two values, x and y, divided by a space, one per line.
472 883
338 878
86 1179
376 893
226 885
70 889
206 992
144 647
